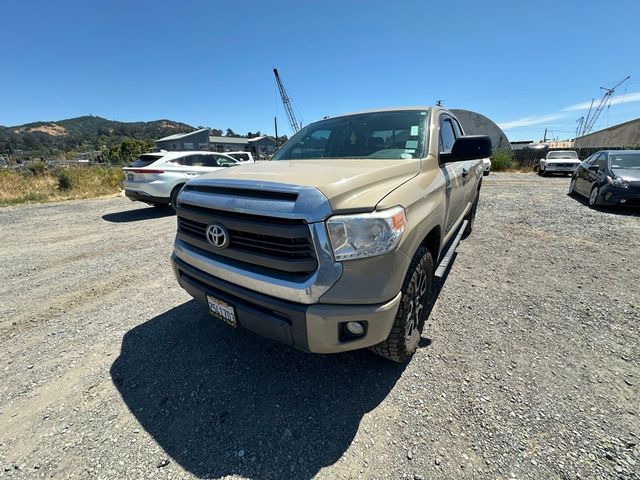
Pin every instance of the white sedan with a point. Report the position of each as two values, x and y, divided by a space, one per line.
486 166
156 178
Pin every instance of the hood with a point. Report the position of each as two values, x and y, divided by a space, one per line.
629 174
347 184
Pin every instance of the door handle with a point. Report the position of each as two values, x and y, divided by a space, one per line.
465 172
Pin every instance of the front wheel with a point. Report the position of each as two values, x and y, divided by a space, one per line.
404 337
572 187
593 197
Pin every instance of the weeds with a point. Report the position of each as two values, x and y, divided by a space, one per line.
501 161
61 184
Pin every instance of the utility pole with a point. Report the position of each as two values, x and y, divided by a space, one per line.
545 136
275 123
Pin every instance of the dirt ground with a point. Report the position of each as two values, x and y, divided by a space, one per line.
529 366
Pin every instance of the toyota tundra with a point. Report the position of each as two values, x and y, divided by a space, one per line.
334 244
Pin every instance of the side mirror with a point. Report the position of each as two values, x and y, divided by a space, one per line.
468 147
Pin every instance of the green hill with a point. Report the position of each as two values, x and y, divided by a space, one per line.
83 133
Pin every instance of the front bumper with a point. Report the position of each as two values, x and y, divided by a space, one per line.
550 168
318 328
625 197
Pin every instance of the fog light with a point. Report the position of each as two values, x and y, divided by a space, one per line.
355 328
624 200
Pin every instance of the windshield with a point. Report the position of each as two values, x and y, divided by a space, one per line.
623 161
389 135
556 155
239 156
145 160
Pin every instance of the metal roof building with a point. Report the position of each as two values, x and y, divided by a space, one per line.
475 123
201 140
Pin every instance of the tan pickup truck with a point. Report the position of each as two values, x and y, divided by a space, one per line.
334 244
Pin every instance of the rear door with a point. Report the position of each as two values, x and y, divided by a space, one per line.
454 173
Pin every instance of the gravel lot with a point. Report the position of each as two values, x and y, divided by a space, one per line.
529 366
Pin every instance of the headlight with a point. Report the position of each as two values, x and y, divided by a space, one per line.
366 234
618 182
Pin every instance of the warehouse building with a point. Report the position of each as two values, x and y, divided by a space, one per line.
257 145
619 136
196 140
202 140
475 123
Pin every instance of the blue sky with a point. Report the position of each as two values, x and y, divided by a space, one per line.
526 65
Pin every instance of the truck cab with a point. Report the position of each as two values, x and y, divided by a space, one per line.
333 245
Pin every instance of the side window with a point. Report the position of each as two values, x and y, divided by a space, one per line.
447 135
193 160
457 128
209 161
602 163
221 161
593 159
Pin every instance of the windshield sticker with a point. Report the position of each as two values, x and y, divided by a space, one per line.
411 144
353 138
414 130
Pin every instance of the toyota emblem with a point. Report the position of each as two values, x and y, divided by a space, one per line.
217 235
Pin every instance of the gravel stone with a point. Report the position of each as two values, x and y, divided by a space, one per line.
523 357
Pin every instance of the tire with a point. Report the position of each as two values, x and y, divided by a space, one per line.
471 217
174 195
572 187
593 196
486 174
404 337
544 173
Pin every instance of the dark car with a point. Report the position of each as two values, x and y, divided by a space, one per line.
609 177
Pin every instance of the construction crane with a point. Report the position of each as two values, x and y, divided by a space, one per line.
592 115
294 121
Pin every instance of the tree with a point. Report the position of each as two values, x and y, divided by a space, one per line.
231 133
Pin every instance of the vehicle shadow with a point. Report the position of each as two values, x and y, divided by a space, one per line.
138 214
221 401
624 211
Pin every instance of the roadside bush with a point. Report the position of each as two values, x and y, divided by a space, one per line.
64 180
60 184
37 167
501 161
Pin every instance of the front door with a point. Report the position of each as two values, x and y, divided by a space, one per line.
455 174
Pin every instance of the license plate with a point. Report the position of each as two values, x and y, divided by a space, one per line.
222 310
130 177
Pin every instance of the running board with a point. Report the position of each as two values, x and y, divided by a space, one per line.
444 264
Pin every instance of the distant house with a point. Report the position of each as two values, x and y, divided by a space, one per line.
196 140
257 145
201 140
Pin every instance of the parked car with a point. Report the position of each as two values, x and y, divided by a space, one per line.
486 166
333 245
558 161
609 177
156 178
242 156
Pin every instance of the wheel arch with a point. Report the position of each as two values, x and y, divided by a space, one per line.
433 241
